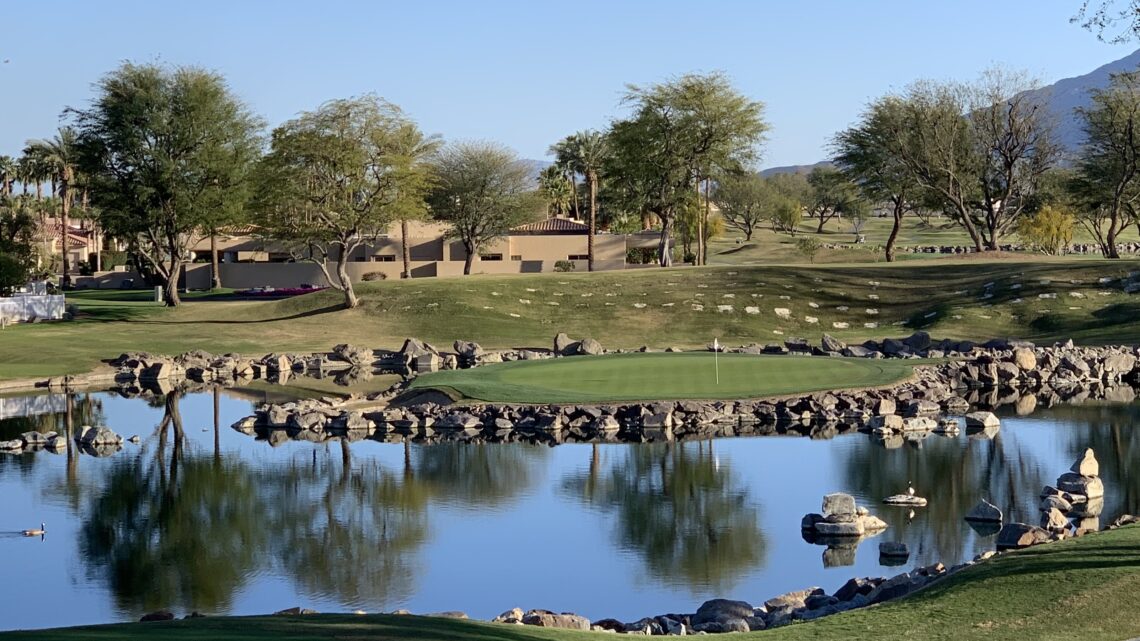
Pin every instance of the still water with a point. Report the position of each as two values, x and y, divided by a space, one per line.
218 522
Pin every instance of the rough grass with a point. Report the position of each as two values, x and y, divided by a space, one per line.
626 309
1078 589
650 377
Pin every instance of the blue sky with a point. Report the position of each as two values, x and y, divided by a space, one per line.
527 73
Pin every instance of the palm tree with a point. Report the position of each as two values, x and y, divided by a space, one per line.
583 153
58 157
7 174
554 185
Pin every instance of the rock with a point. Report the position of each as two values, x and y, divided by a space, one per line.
871 523
905 499
1073 483
160 615
885 406
547 619
981 420
1055 502
295 611
1020 535
792 600
514 615
842 528
886 423
984 512
1053 520
718 627
853 588
918 341
831 344
93 436
1087 465
564 345
1025 359
14 445
838 504
468 349
895 550
590 347
720 610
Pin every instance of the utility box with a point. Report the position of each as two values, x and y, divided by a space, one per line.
158 293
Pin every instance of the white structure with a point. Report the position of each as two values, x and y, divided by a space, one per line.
22 308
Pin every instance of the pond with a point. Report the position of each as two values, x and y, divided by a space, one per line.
218 522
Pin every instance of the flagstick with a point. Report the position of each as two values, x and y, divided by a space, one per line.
716 359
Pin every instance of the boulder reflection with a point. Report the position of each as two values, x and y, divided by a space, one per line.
678 507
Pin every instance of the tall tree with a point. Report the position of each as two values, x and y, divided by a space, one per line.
337 177
481 190
585 153
17 253
165 148
866 153
8 169
557 189
59 156
680 133
831 193
1107 183
979 149
743 201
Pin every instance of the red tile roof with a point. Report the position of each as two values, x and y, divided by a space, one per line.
558 225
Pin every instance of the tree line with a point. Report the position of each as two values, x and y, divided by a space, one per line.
164 157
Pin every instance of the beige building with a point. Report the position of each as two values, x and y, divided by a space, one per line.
249 259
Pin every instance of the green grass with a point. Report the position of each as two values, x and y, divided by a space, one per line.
626 309
1078 589
650 377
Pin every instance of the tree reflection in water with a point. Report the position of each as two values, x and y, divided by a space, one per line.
174 527
679 508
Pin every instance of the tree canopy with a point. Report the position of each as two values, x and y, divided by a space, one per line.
336 177
166 149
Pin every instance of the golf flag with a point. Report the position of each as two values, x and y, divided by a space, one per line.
716 359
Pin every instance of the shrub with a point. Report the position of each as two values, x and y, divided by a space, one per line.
1050 230
641 255
111 259
809 247
370 276
564 266
786 216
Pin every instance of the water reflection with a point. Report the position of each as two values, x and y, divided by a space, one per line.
197 516
680 508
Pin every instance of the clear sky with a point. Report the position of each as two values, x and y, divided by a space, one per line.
528 72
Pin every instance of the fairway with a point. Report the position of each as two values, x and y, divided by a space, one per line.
665 376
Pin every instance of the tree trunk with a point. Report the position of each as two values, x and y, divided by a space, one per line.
705 227
898 215
593 221
700 230
469 261
407 252
1111 250
215 272
65 211
664 252
822 222
170 295
350 299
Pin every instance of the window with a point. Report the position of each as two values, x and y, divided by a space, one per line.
490 257
578 257
384 258
516 256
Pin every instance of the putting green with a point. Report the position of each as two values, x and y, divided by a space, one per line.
667 376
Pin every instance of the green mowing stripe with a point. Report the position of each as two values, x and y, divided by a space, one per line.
648 377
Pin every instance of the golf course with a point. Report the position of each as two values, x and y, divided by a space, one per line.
670 376
1036 299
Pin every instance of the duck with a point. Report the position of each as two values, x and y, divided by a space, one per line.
40 532
910 488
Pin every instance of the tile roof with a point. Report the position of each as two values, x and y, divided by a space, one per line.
553 225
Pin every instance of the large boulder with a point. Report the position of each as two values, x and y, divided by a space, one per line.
984 512
94 436
1087 465
831 344
564 345
918 341
720 610
838 504
981 420
469 350
1021 535
590 347
548 619
1025 359
354 355
1074 483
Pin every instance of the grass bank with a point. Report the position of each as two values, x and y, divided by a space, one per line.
651 377
1077 589
685 307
